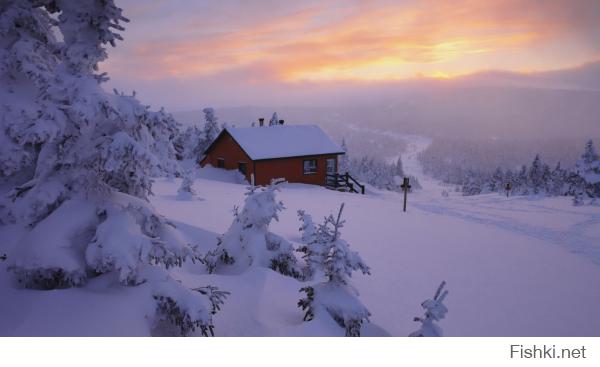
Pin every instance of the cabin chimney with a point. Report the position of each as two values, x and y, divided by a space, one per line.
261 121
281 122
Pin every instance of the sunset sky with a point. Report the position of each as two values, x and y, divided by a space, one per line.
196 46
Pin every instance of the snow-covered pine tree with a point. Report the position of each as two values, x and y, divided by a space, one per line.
211 126
496 181
28 62
90 156
329 256
248 241
509 178
274 120
344 160
435 310
555 185
521 183
535 179
546 185
190 144
186 191
473 183
588 168
312 246
399 169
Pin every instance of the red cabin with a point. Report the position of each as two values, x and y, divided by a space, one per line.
299 153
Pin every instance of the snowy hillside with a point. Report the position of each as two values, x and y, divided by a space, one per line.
517 266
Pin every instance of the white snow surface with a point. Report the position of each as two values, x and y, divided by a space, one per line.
280 141
517 266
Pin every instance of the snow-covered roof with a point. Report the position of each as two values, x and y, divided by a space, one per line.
281 141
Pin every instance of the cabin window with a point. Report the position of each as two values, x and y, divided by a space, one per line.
243 168
310 166
221 162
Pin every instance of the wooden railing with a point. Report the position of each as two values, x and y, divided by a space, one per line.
344 181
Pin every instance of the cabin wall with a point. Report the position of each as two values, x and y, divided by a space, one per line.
292 169
227 148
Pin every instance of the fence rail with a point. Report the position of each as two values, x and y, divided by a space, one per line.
344 181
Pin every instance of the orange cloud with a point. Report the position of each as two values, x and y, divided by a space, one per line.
369 41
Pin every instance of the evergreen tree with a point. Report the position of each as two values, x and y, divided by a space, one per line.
399 169
435 310
522 181
496 182
186 191
82 159
473 184
28 63
312 249
556 182
535 176
329 256
344 161
274 120
211 126
248 241
588 168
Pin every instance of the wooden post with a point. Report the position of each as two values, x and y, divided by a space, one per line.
405 187
508 187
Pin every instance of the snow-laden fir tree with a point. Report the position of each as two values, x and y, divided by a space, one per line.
535 176
399 169
344 161
186 191
193 141
211 126
81 161
435 310
473 184
274 120
248 241
588 168
496 181
28 62
190 144
555 186
521 183
331 263
312 248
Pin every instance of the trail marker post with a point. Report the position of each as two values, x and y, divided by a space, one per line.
507 187
405 187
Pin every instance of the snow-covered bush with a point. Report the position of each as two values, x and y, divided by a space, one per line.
248 241
330 260
435 310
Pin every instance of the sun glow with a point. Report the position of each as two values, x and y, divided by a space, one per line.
335 42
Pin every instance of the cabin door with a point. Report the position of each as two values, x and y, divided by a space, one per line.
331 166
